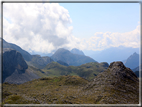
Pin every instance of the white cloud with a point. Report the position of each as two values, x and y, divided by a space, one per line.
36 26
102 40
44 28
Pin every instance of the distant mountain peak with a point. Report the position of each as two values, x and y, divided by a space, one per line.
71 58
61 49
132 61
135 53
77 51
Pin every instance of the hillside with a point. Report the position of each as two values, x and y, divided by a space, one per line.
87 71
39 62
116 85
70 58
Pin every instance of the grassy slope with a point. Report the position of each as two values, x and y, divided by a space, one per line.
87 71
63 90
59 90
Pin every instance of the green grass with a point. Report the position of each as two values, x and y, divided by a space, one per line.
62 90
87 71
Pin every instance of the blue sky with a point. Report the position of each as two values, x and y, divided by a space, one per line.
46 27
88 18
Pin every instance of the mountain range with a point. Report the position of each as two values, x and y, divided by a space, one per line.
35 63
64 57
61 54
65 78
112 54
70 58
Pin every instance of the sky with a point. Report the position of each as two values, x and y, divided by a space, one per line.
46 27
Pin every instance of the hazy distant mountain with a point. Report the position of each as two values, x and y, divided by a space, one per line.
132 61
39 62
77 51
41 54
15 69
70 58
135 69
62 63
24 53
112 54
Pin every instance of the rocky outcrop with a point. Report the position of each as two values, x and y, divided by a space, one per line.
118 84
12 60
15 69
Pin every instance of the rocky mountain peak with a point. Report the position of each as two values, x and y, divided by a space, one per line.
135 53
118 83
119 70
116 66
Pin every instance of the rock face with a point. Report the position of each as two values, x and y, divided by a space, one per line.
118 84
70 58
77 51
15 69
12 60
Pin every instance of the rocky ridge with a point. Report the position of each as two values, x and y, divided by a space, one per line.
118 84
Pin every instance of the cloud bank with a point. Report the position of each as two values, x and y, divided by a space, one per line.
105 40
36 27
45 28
